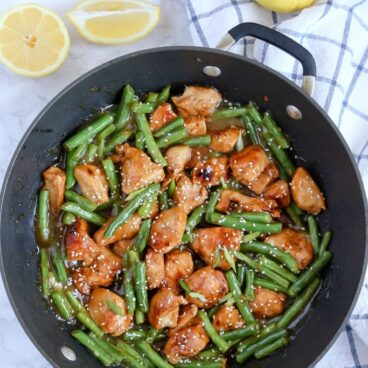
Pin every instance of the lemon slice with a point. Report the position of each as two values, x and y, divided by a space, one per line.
285 6
113 21
33 40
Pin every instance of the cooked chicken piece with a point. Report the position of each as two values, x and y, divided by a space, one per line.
189 195
247 166
54 181
209 244
177 158
167 230
227 318
127 230
111 322
185 343
211 171
195 125
155 269
138 170
306 192
162 115
279 191
186 316
197 101
269 174
164 309
122 246
226 139
210 283
267 303
178 265
297 243
234 201
92 182
79 245
199 154
101 272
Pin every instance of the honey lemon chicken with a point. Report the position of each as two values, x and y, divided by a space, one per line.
166 239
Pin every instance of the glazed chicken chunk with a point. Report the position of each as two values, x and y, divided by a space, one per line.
279 191
296 243
210 283
178 265
225 140
122 246
189 195
306 192
99 307
209 244
155 269
197 101
164 309
195 125
167 230
92 182
186 315
138 170
177 158
162 115
234 201
267 303
54 181
227 318
252 168
210 172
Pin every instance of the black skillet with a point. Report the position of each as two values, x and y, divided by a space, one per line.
313 136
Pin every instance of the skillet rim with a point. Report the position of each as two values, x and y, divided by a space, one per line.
132 55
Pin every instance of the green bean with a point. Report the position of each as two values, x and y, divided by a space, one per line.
108 348
140 286
79 152
112 177
112 202
275 131
69 169
76 210
271 348
140 242
45 271
142 107
128 284
252 110
101 139
264 248
212 333
91 152
249 281
114 308
146 208
270 285
43 215
170 127
200 363
122 113
211 206
68 218
61 274
118 138
163 201
228 112
200 140
131 357
129 209
250 237
164 95
240 273
298 305
83 202
134 194
89 132
134 335
88 322
241 333
74 302
240 224
155 335
61 304
259 343
324 242
209 354
294 216
171 188
263 217
150 143
156 359
251 130
313 233
240 301
139 316
152 97
212 311
279 269
171 138
310 274
195 218
88 342
139 140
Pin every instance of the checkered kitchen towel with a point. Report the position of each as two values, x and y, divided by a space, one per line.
336 33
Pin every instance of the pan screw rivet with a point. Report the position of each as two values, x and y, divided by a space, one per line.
212 71
68 353
294 112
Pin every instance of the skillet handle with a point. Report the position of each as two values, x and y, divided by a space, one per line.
279 40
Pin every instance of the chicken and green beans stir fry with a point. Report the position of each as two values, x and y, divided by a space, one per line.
177 231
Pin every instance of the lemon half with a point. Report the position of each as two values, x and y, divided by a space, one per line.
285 6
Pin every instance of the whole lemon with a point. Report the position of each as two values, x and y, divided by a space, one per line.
285 6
